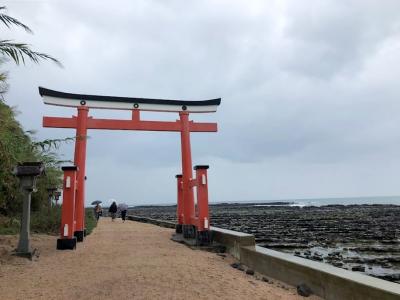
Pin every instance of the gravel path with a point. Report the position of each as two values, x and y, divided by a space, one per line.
128 261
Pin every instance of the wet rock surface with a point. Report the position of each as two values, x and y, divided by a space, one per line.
362 238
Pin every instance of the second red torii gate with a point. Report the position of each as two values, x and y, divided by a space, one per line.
188 222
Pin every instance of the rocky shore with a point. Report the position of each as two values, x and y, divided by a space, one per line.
361 238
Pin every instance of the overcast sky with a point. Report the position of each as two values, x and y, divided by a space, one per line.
310 92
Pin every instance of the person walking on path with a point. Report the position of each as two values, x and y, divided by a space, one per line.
123 208
113 211
97 211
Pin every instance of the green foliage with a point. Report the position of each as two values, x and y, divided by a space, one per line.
48 144
19 51
9 21
9 225
14 147
17 146
90 220
47 220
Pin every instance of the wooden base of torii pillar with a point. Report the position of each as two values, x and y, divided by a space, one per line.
189 218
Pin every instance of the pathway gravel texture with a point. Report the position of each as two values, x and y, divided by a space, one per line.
128 261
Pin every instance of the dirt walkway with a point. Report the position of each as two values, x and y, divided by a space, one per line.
129 261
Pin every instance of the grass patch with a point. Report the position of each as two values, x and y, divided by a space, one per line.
9 225
44 221
90 220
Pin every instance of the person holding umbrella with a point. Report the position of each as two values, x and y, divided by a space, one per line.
123 208
98 211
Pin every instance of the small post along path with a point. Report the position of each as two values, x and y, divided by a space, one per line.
131 261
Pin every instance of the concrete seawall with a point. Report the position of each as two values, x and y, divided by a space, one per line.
326 281
160 223
233 240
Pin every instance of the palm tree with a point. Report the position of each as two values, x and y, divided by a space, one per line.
19 51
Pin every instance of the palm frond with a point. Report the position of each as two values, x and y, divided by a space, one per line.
18 51
3 76
48 144
9 21
31 131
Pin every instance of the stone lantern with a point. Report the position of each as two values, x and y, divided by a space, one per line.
57 195
27 173
51 194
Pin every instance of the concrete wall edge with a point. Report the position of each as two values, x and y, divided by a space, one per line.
326 281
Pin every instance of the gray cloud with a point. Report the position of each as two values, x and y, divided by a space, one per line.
310 92
338 37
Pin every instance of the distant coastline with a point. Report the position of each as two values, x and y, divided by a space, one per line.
370 200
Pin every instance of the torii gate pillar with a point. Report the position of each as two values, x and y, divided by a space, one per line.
80 162
188 198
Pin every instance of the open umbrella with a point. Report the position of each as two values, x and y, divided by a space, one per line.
96 202
122 206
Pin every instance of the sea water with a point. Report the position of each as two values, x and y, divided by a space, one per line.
348 201
394 200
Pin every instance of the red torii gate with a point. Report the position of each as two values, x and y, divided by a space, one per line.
193 223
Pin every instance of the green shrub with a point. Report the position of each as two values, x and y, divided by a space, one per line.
90 220
9 225
46 220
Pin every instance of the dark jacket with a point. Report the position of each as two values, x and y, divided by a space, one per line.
113 208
